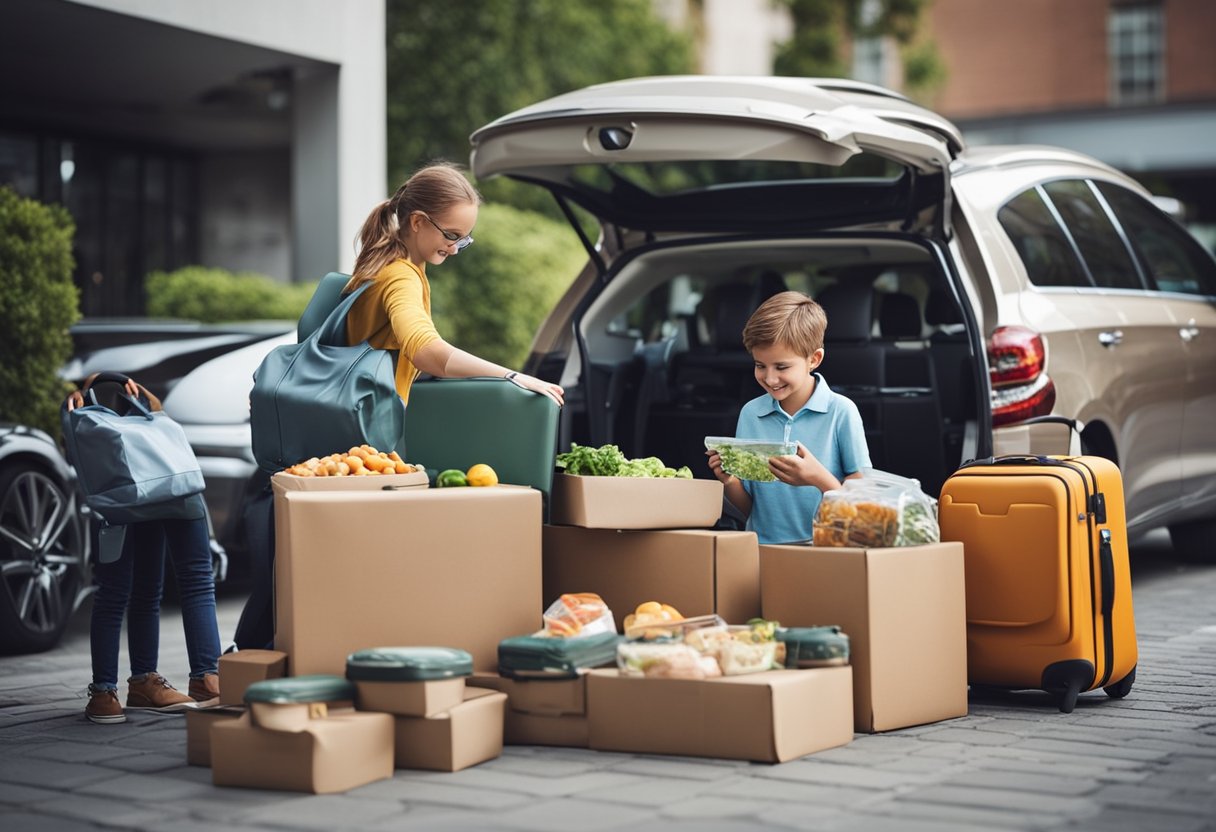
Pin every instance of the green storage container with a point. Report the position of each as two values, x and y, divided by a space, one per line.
408 664
296 690
534 657
814 646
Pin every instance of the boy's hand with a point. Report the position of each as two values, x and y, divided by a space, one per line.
800 469
715 465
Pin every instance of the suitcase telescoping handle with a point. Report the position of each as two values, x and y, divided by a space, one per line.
1106 559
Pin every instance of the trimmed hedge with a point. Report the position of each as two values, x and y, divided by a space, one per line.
490 299
38 304
218 296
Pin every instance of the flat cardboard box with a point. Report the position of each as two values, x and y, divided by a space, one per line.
696 571
410 698
542 711
635 502
241 669
469 734
341 752
904 612
198 732
766 717
458 567
282 481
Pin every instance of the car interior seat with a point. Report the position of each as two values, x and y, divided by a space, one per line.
953 365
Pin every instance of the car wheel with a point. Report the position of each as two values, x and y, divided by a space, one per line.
43 559
1195 541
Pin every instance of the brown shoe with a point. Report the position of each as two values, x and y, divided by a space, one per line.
104 707
205 690
154 693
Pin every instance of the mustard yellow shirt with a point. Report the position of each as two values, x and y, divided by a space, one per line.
394 313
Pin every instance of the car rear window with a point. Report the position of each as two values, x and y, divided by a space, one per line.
1045 249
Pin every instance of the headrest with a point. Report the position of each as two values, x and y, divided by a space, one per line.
849 307
734 307
940 309
899 316
769 283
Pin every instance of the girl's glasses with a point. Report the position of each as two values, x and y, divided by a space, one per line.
451 236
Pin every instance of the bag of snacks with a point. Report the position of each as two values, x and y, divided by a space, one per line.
878 509
577 614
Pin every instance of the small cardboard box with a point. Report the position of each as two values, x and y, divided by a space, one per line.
282 481
469 734
198 732
410 698
904 612
542 711
241 669
765 717
343 751
453 566
696 571
634 502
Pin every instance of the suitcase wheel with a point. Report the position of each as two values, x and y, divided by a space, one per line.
1122 687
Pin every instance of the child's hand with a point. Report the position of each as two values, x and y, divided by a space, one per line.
800 469
715 465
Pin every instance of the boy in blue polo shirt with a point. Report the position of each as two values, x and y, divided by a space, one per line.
785 338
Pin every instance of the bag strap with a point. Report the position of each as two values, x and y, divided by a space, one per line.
332 331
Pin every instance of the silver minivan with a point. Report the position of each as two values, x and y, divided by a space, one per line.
969 292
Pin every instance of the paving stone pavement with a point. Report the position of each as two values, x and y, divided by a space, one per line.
1144 763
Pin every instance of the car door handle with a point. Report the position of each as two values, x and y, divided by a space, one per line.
1110 338
1189 332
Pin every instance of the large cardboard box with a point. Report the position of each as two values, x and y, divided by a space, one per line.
427 698
198 732
765 717
241 669
542 711
334 754
635 502
469 734
697 572
904 612
282 481
458 567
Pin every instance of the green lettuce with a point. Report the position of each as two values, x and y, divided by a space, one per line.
608 461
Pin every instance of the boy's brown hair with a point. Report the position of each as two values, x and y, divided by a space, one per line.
790 319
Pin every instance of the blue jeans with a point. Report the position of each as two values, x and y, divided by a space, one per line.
134 584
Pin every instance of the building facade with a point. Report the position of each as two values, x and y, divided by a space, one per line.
245 136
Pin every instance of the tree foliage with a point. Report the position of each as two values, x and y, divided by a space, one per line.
455 65
491 298
38 304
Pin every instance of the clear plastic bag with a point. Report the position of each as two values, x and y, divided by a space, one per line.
577 614
875 510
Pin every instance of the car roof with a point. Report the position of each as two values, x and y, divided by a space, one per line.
1004 156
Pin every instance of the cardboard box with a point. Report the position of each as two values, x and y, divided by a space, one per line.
469 734
542 711
282 481
697 572
765 717
904 612
341 752
241 669
198 732
634 502
410 698
459 567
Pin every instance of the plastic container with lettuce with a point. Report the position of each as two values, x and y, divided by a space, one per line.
608 461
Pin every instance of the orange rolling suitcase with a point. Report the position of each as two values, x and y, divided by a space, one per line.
1049 591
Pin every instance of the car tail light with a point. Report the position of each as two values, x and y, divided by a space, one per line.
1019 387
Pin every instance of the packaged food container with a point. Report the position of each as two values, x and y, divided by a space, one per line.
409 681
747 459
876 510
814 646
578 614
738 658
541 657
288 704
665 660
650 630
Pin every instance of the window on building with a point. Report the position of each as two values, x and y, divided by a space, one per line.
1173 260
1045 249
872 58
1136 46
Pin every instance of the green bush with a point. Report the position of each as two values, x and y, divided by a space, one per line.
491 298
38 303
215 296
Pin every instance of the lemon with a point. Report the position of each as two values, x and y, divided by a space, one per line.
481 474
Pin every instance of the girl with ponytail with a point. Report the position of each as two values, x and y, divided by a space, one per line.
427 220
